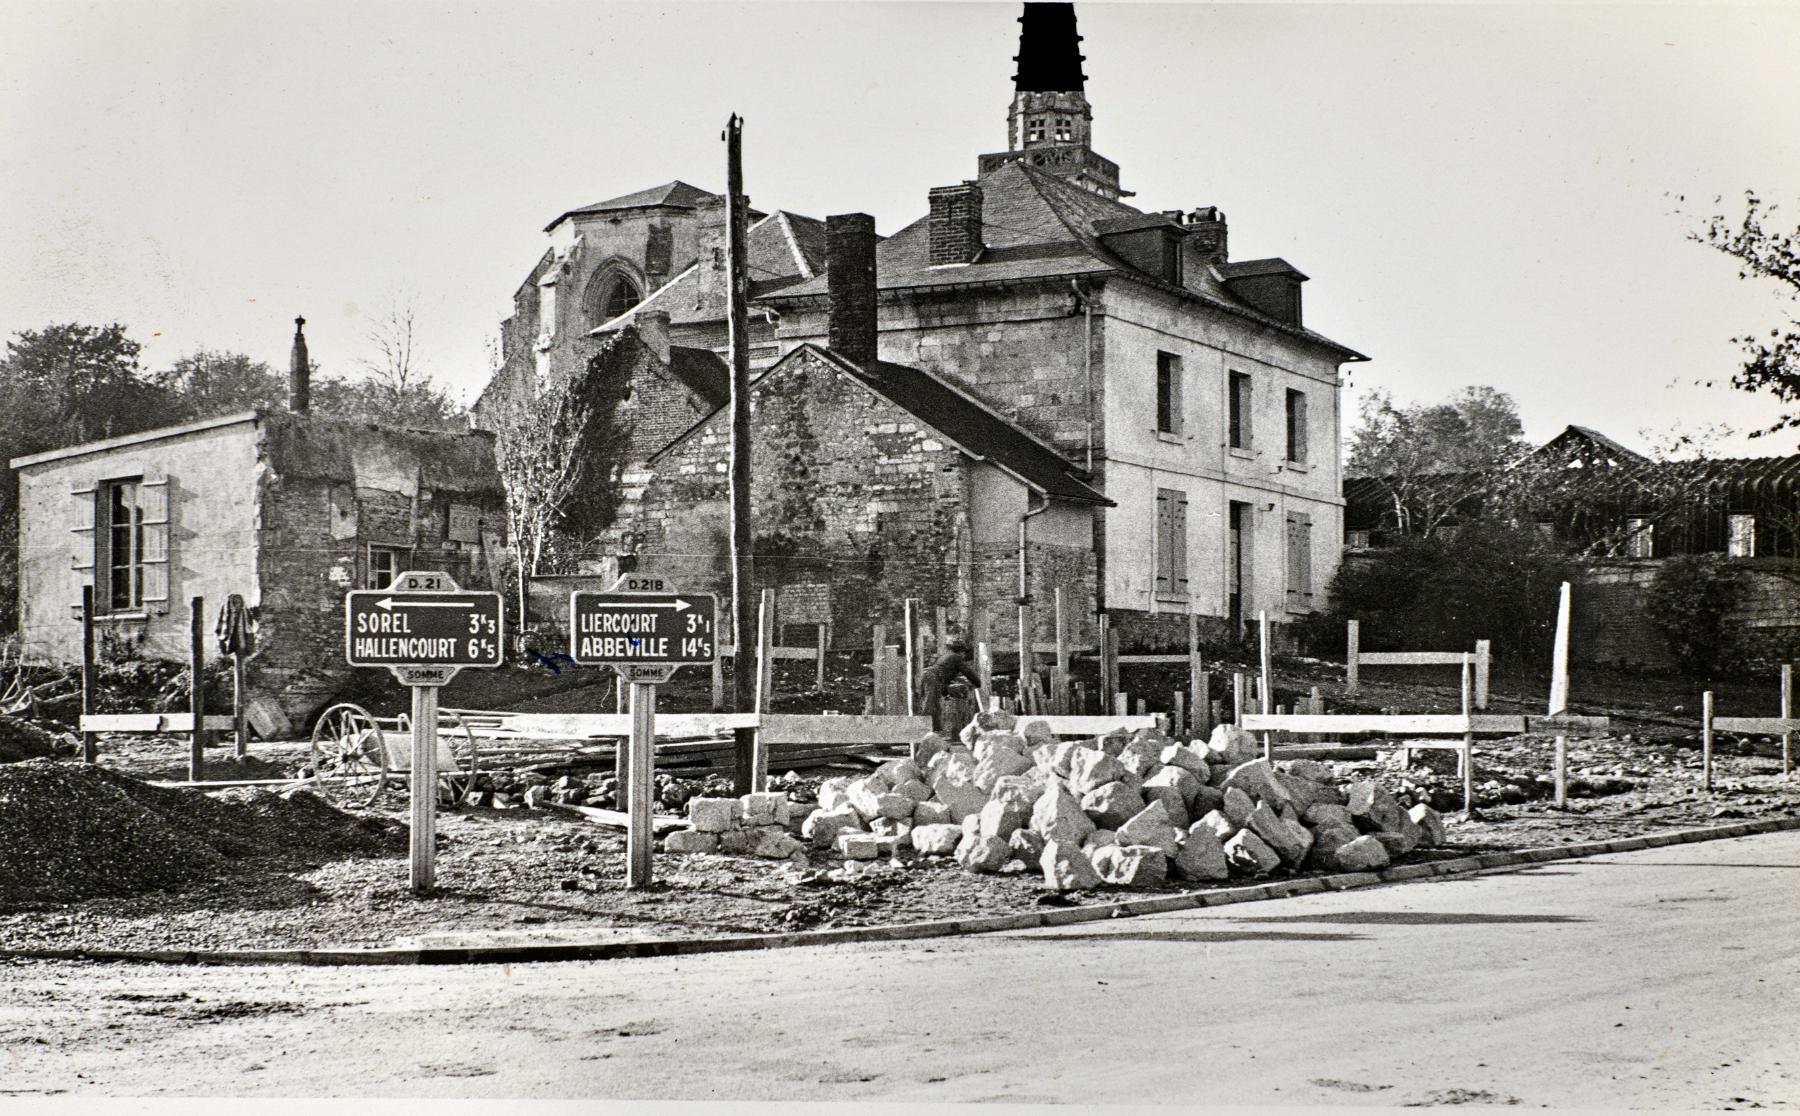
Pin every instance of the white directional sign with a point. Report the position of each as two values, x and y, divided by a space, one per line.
422 628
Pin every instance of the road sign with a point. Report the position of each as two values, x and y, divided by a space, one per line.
644 627
423 628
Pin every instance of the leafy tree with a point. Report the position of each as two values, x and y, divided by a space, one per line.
395 388
538 434
207 383
1433 460
1771 364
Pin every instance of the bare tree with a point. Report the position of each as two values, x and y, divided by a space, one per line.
540 431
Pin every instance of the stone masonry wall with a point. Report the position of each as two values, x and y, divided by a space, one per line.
1610 624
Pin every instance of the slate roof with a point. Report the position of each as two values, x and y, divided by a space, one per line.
785 249
676 194
962 420
1038 226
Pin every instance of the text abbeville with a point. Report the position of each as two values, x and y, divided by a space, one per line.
619 635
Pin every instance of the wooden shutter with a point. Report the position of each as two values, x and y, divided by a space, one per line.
1297 450
1165 515
153 501
1178 544
1293 562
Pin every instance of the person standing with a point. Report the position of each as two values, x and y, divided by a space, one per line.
949 675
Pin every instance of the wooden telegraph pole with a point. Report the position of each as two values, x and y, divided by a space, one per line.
743 609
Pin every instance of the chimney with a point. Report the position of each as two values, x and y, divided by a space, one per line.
850 285
1207 225
299 399
653 331
955 224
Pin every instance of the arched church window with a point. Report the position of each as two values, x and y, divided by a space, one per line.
621 297
610 293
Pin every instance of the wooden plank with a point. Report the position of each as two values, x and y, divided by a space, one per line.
1772 726
1352 656
795 728
151 722
618 819
581 726
1411 658
1146 660
1567 721
806 653
1078 725
910 655
1424 724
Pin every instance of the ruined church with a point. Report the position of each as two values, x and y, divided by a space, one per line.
1035 386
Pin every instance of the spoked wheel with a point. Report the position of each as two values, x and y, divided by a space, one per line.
456 785
349 753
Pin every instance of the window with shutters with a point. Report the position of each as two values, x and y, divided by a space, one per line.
1168 393
1296 426
1171 544
1299 562
1238 411
131 545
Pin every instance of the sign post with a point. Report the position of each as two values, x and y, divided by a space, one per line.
644 628
423 629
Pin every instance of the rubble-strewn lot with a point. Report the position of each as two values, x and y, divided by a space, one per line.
166 869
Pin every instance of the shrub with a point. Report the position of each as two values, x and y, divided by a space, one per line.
1687 605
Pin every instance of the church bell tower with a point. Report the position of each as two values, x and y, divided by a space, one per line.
1050 124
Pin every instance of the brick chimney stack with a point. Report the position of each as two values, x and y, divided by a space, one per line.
299 394
955 223
1209 233
850 285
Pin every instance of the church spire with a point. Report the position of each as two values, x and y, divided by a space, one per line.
1050 125
1049 55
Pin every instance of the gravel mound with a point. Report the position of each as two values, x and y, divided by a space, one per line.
71 831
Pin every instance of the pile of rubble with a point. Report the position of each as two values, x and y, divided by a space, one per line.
749 825
1137 810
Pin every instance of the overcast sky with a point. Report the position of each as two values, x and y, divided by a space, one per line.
1481 195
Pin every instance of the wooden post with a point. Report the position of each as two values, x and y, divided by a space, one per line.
1206 710
940 629
197 688
1115 682
909 644
718 683
1483 665
819 662
1239 694
1079 696
1059 697
1268 680
1467 755
1217 713
984 666
1706 739
765 685
638 837
1196 697
1121 705
90 741
422 840
1027 660
1352 646
1178 718
737 330
1102 640
1787 714
240 725
1559 693
878 667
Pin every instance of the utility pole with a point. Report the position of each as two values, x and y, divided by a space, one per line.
743 606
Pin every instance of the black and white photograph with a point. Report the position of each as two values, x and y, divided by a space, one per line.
893 555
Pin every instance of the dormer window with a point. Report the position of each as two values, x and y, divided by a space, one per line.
1065 129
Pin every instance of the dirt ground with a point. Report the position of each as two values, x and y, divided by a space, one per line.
553 871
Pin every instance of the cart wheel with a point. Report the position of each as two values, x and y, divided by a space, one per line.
348 752
457 785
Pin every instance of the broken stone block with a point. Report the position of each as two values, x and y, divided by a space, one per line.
1290 840
1091 769
1058 817
1396 844
1171 801
833 792
962 799
936 840
713 815
765 808
1099 839
914 790
1113 742
1025 845
1249 855
774 843
1327 840
1221 826
925 747
736 842
887 848
932 813
690 841
536 798
971 825
1431 825
1131 865
1258 780
1189 759
858 846
1067 868
1037 734
822 827
1206 800
1308 769
1022 791
1150 826
990 742
983 855
1000 818
889 827
1111 805
997 764
1231 746
988 721
1201 856
956 764
1373 807
1179 779
1326 814
900 771
1238 806
1364 854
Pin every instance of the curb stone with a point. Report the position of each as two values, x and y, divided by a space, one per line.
1025 920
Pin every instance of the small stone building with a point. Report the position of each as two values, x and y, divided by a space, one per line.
287 509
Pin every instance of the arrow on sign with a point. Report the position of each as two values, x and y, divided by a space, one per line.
678 605
390 604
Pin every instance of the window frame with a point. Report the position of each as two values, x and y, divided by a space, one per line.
1169 394
403 557
1298 447
145 568
1238 410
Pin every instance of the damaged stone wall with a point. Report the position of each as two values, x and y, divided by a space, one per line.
849 490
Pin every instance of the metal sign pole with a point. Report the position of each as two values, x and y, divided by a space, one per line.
424 788
638 838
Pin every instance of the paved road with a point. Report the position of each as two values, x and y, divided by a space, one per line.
1666 978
